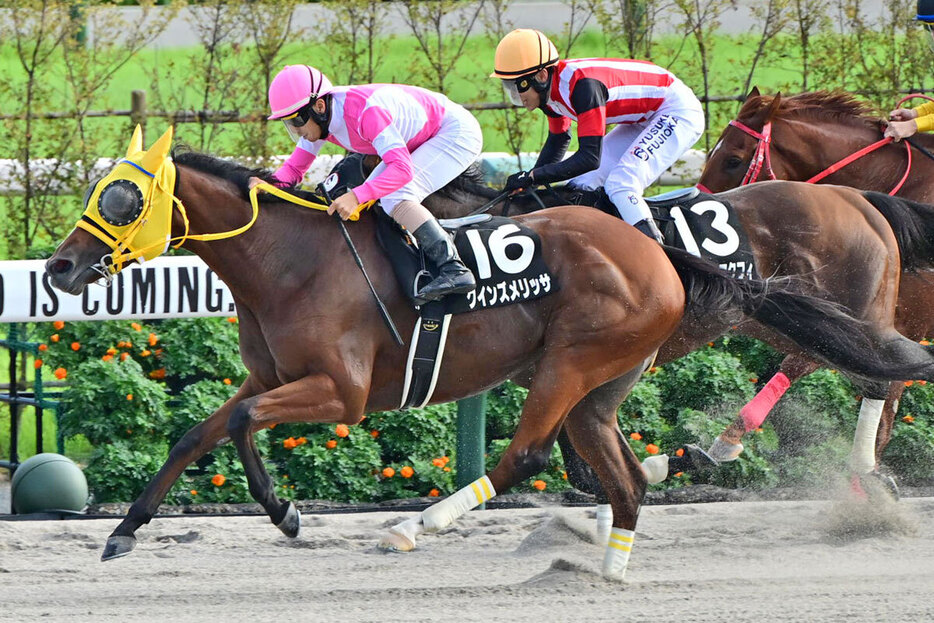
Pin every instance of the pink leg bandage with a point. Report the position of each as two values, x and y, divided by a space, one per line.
756 410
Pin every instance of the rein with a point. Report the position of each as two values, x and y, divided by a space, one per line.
762 155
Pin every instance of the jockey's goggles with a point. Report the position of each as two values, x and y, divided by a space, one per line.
514 87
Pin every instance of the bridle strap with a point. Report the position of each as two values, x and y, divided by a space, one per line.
762 155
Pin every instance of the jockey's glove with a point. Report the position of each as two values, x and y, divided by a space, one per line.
518 181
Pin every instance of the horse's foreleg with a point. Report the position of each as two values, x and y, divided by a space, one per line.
197 442
896 389
310 399
728 445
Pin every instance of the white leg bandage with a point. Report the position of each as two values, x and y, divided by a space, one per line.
617 553
656 468
863 455
604 523
443 513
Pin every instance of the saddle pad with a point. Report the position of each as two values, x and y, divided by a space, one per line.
504 256
706 226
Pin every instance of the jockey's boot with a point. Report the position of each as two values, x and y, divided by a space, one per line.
648 227
452 276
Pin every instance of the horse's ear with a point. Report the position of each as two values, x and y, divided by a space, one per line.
154 158
773 106
136 142
753 93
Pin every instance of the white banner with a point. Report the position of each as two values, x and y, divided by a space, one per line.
166 287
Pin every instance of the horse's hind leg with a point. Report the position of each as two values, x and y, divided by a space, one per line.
545 408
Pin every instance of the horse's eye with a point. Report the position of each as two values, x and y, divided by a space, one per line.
120 203
733 162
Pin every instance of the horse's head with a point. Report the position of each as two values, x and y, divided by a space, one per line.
741 154
127 216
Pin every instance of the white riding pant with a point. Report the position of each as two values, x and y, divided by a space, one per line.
438 160
634 156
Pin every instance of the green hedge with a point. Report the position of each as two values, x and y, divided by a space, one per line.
135 388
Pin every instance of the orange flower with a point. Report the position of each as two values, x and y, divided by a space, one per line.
540 485
128 344
679 452
341 430
76 346
447 469
193 492
374 434
924 343
909 383
157 374
129 396
60 373
330 444
437 462
289 444
58 325
651 448
407 472
107 358
434 493
153 339
136 326
564 475
145 352
301 441
922 382
218 480
653 369
388 472
271 426
753 379
446 459
232 319
111 351
124 356
635 436
54 338
38 364
710 344
43 348
909 419
227 381
679 474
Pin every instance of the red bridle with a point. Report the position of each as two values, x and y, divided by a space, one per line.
762 156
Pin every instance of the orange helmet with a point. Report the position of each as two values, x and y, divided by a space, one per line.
522 52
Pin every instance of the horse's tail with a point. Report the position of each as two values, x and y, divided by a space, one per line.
818 326
913 225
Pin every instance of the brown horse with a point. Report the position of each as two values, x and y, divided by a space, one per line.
317 351
811 132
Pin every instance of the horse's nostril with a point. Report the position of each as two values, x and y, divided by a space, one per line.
58 267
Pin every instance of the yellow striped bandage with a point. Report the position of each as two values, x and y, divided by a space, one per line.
443 513
617 553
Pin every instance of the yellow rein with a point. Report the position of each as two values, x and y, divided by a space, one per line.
254 202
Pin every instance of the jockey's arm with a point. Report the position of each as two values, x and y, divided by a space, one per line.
589 101
556 145
925 118
294 168
378 128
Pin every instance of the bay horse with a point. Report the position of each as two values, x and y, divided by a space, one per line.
808 135
317 351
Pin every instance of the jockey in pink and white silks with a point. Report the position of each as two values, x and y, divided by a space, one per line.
657 119
424 140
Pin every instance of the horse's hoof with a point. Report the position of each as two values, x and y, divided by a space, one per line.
875 481
698 460
724 451
117 547
291 524
401 537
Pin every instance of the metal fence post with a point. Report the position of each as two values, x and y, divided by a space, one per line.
471 440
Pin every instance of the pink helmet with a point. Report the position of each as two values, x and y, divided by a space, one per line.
295 86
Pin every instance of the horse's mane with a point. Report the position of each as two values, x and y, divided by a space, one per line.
234 172
837 106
